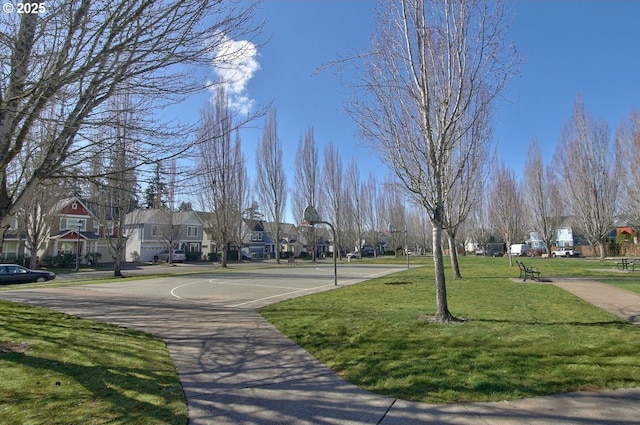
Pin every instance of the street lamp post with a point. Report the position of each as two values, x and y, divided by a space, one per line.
406 247
78 245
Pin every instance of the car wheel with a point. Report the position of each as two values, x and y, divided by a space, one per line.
41 279
155 259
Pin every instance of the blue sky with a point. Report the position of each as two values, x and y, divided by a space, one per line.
570 47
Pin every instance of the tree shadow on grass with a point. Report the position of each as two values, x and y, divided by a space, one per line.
120 390
615 323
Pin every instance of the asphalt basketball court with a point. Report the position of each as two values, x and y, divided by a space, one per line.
248 288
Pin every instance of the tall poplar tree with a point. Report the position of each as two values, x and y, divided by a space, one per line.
433 73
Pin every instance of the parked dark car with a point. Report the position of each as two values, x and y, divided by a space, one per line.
12 273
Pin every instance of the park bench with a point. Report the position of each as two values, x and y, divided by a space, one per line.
528 272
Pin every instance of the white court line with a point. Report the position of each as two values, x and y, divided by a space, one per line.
383 272
214 281
311 289
182 286
280 295
371 276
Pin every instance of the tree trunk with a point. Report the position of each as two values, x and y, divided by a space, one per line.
442 309
117 264
603 249
453 254
277 241
33 259
223 257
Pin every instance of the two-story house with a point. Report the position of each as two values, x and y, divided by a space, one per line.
150 231
257 243
290 240
77 227
73 227
212 247
259 240
13 243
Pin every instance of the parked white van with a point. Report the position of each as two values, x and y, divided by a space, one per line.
519 249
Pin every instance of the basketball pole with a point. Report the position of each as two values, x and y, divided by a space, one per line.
312 217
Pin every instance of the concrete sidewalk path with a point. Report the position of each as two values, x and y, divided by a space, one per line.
236 368
624 304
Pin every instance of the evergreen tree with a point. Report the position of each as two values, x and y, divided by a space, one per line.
153 195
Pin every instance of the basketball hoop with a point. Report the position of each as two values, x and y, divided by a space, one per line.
311 215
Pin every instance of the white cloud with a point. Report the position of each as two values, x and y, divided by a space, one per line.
234 63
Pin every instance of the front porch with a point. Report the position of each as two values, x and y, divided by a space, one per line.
73 242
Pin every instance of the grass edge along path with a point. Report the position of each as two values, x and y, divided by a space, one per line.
59 369
518 341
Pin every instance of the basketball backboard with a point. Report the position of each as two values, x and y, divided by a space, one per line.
311 215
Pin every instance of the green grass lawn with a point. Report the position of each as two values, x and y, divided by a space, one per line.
631 283
519 340
59 369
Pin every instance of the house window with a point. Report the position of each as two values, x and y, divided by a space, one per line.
72 224
192 231
66 248
74 206
155 231
194 247
256 237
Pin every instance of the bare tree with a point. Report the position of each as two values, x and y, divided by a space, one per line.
116 195
479 222
419 236
542 199
35 218
243 195
593 190
168 215
220 186
394 212
434 70
355 198
505 207
372 211
628 144
306 189
332 206
61 66
464 181
271 181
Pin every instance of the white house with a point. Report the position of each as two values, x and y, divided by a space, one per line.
150 231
